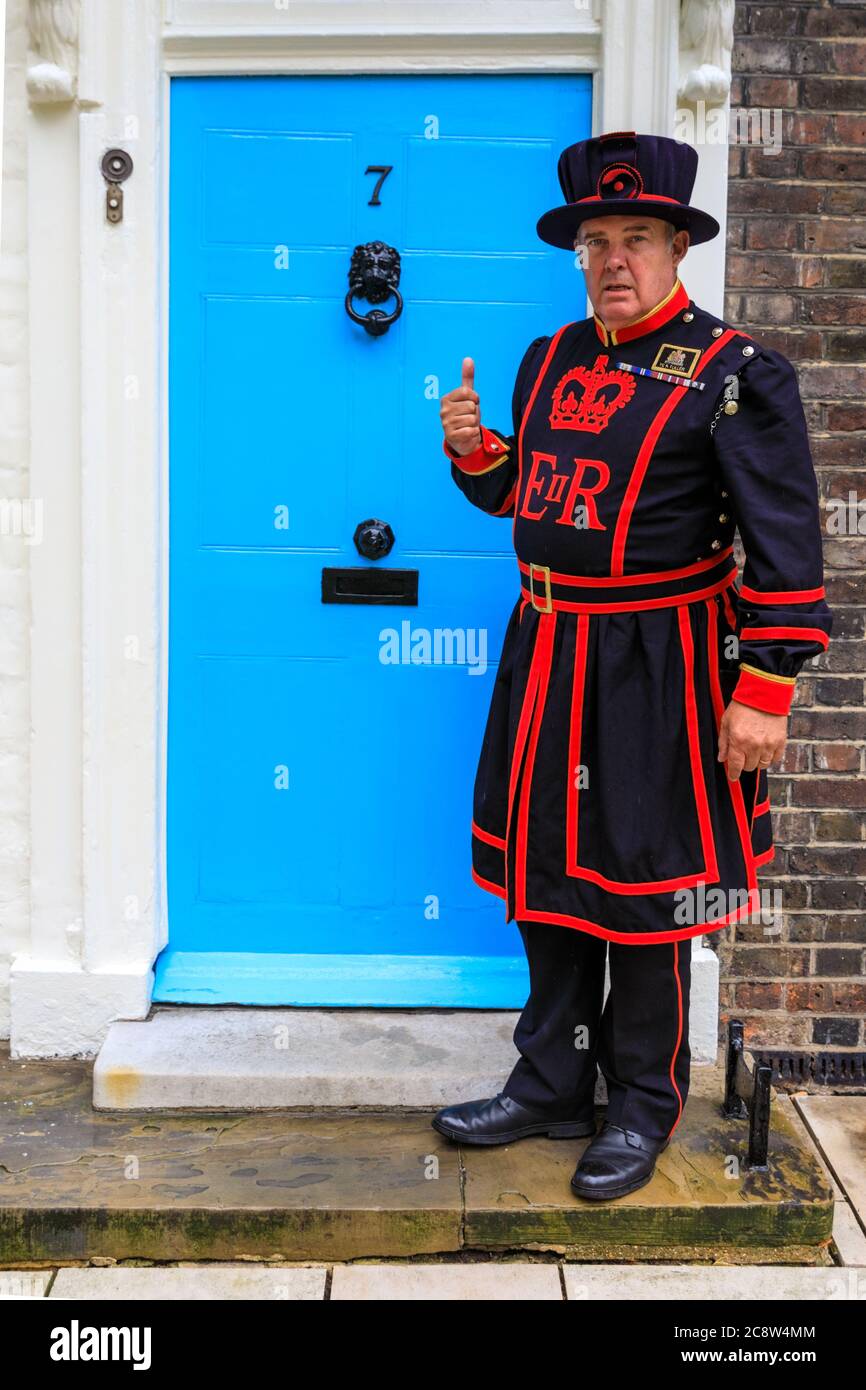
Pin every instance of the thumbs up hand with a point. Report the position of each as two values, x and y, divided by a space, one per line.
460 413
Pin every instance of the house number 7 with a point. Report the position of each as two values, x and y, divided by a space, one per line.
383 170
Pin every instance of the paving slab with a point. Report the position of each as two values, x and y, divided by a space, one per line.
81 1184
386 1283
194 1283
838 1125
524 1282
702 1193
674 1283
24 1283
849 1237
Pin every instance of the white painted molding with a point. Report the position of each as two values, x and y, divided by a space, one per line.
96 402
53 31
639 67
263 36
706 45
702 118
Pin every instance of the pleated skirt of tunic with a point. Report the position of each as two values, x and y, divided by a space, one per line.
599 801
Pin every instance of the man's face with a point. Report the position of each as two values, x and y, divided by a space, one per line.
629 265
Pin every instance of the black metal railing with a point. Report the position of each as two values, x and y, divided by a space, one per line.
747 1092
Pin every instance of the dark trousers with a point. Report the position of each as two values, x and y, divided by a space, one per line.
640 1040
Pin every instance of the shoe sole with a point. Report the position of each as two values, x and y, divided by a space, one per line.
567 1129
623 1190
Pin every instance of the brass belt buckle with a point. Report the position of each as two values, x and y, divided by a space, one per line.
545 571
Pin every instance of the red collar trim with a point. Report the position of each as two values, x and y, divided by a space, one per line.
676 299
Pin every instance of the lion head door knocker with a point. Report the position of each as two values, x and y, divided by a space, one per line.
374 273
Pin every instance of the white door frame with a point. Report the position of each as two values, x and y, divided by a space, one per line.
99 435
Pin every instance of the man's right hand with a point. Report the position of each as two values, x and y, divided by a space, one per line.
460 413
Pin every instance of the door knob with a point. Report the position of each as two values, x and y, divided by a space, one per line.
373 538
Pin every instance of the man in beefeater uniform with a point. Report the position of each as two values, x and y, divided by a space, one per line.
641 694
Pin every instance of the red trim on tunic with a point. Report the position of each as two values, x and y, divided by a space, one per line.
654 577
781 595
677 298
734 788
526 712
487 885
562 919
709 873
495 840
768 695
700 786
581 638
645 453
486 456
638 938
798 634
561 605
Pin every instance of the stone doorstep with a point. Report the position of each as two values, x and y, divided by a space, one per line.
403 1280
210 1058
82 1184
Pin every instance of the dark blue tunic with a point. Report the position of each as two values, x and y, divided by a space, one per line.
600 803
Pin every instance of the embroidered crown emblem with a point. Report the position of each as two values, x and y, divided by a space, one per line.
602 392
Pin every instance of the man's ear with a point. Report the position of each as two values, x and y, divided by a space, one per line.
680 245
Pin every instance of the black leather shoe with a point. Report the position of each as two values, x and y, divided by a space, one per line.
501 1120
617 1161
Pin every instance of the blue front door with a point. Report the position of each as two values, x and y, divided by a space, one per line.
321 754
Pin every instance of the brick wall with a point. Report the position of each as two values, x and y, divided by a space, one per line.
796 279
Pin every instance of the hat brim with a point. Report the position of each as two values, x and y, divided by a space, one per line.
558 227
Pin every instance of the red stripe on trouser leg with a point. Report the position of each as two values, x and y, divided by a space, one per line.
644 1051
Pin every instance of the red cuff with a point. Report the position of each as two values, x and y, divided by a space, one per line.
489 454
772 694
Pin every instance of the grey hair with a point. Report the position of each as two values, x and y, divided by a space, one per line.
670 233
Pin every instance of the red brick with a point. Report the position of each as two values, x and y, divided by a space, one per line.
824 22
843 197
809 128
850 129
848 417
843 792
833 309
770 308
847 59
771 234
834 234
838 960
823 94
773 270
836 757
762 995
763 195
773 162
783 91
831 382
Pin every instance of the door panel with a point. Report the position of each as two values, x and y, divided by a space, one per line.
319 798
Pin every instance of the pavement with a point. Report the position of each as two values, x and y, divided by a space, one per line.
337 1204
